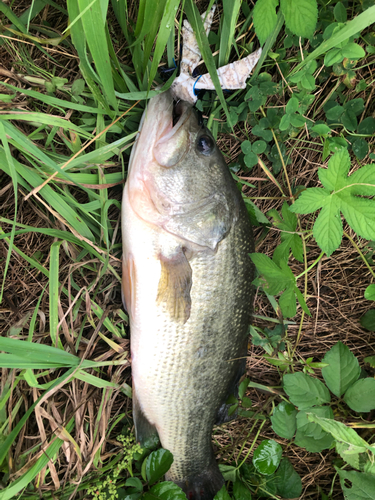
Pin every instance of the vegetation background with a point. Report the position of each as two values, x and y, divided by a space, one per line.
75 77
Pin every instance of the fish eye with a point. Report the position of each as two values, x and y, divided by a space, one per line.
205 144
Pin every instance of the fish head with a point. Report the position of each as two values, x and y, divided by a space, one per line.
178 178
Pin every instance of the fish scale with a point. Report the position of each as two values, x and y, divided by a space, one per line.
187 239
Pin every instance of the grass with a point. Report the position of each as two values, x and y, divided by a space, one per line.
72 94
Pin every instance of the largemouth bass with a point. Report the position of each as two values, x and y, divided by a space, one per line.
187 287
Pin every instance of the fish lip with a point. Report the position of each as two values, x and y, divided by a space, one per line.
171 129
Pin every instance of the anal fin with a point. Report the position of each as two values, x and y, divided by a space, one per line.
145 432
175 285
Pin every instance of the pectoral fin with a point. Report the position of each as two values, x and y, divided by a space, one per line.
175 285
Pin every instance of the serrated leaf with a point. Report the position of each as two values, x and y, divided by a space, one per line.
370 292
309 200
275 278
267 456
313 445
305 391
338 168
312 429
265 18
287 303
284 420
357 485
328 229
343 369
288 482
360 396
359 213
300 16
157 464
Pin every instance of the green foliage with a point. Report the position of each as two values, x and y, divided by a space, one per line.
267 457
300 17
284 420
157 464
342 370
275 278
341 194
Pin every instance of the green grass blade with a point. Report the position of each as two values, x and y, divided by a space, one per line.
93 23
54 293
9 441
13 175
48 454
166 27
231 9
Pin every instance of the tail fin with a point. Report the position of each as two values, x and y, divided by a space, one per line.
203 486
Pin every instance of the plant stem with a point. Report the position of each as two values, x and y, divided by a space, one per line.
360 253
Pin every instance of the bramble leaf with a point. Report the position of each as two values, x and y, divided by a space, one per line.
284 420
360 396
305 391
288 482
300 16
288 239
357 485
342 370
267 456
265 18
339 195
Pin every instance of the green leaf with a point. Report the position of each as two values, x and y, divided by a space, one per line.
360 396
242 388
370 292
262 132
310 428
357 485
328 229
221 495
360 148
305 391
367 126
343 369
292 105
246 147
288 482
353 51
341 432
165 491
309 200
368 320
300 16
240 491
265 18
285 122
287 303
158 463
313 445
356 460
273 277
321 129
332 57
250 159
297 120
284 420
340 13
267 456
259 147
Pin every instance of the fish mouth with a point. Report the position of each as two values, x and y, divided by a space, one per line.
180 112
